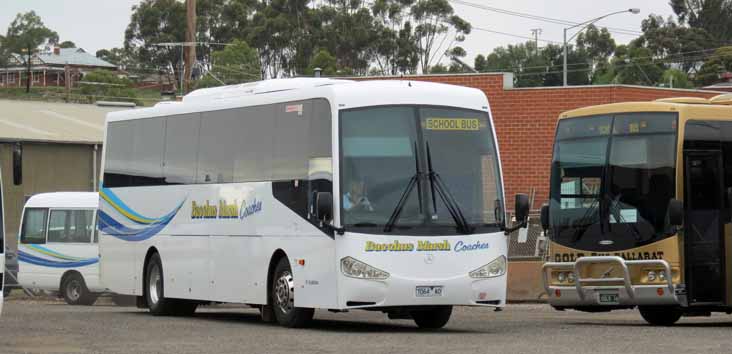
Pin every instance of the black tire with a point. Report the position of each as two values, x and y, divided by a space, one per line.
660 315
74 291
124 300
282 297
158 304
433 317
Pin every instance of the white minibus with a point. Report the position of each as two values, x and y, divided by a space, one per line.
298 194
58 247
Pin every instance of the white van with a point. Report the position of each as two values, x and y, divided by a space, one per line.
58 248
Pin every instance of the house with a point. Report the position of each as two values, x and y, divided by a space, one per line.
51 67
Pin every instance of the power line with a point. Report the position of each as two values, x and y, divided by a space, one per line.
540 18
515 35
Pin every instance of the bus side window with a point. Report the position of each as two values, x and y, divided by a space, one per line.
34 226
70 226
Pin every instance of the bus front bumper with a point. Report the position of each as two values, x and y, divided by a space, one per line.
608 291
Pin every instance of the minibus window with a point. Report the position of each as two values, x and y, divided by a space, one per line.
34 226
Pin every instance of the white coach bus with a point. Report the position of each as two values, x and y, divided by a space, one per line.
58 248
228 196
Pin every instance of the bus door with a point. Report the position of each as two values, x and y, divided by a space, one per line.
703 227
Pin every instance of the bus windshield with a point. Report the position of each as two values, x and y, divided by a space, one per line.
612 179
419 170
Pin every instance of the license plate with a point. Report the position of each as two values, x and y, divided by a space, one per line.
429 291
608 298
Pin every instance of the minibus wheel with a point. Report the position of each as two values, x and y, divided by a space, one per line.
433 317
660 315
283 298
158 304
75 292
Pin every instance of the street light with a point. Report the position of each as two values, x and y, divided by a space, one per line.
585 25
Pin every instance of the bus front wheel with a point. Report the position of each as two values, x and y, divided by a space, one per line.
433 317
75 292
660 315
158 304
283 298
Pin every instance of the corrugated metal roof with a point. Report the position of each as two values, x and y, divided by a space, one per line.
52 122
72 56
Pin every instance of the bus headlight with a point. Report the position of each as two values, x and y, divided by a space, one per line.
354 268
562 276
495 268
571 277
662 275
651 276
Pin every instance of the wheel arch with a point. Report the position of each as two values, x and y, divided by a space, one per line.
150 252
276 256
66 275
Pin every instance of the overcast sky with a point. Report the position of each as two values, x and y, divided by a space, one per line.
97 24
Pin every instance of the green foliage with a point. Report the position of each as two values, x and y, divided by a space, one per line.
325 61
712 16
718 63
676 79
236 63
27 32
154 22
635 66
67 44
105 85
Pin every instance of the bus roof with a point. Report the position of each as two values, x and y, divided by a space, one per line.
343 94
721 103
64 200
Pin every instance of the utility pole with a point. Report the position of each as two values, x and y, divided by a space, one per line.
536 32
190 51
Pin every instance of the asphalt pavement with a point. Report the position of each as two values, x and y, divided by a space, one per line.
43 326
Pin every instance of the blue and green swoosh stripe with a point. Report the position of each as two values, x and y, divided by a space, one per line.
148 227
42 256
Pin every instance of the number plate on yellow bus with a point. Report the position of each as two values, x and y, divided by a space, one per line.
608 298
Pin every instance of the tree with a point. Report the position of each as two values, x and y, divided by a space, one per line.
718 63
597 45
235 64
325 61
676 78
25 34
713 16
480 63
119 57
667 39
67 44
154 22
435 21
635 66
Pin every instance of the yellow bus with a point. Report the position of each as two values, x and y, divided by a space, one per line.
639 209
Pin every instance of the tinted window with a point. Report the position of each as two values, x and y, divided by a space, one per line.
236 145
70 226
181 148
34 226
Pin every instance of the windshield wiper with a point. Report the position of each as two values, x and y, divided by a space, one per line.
414 181
447 198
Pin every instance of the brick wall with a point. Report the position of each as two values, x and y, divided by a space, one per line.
525 120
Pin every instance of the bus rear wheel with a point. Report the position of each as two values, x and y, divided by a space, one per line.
433 317
75 292
158 304
660 315
283 298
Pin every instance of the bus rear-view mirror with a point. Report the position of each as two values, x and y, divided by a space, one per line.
545 217
324 206
676 212
522 208
17 164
